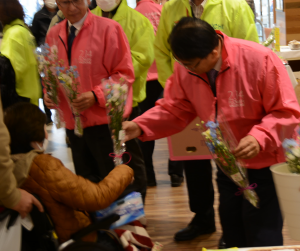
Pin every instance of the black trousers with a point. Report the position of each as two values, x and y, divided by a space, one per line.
91 156
201 192
153 91
243 224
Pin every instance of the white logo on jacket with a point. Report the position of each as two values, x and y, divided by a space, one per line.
85 57
236 99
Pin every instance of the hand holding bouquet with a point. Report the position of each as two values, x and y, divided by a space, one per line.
115 93
220 142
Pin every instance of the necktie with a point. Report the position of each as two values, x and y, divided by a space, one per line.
212 75
70 41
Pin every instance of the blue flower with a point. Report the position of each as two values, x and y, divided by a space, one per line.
212 125
210 147
73 68
289 143
76 74
109 96
213 133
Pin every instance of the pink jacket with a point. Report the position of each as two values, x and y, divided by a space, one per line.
100 50
152 11
253 90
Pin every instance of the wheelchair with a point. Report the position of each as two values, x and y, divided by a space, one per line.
43 237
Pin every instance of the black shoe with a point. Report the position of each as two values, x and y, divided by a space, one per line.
191 232
176 180
222 244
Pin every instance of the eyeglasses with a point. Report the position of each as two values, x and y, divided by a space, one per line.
65 4
187 67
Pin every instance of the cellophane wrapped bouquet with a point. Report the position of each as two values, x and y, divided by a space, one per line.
292 153
221 141
116 93
47 65
68 78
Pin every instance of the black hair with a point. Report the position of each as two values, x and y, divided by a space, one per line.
192 38
10 10
25 123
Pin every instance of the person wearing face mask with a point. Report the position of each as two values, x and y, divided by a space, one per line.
215 73
66 196
140 35
39 28
99 48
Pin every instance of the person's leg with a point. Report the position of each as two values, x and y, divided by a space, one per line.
48 113
230 210
153 90
175 170
263 225
84 162
198 175
100 145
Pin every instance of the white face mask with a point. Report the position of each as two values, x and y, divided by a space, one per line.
51 4
44 146
108 5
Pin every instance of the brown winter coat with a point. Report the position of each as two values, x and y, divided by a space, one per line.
67 196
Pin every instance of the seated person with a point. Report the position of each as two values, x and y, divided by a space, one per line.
66 196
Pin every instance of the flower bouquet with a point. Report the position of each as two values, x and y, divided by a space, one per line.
292 153
116 93
69 81
220 140
47 63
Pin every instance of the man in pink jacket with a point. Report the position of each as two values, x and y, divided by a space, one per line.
154 90
99 48
249 83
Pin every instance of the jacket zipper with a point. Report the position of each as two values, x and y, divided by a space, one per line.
65 48
215 97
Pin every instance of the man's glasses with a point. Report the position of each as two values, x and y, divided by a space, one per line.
187 67
65 4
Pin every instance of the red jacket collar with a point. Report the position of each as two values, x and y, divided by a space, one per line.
63 33
144 1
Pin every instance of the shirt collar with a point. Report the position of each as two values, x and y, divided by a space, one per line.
202 4
78 25
218 65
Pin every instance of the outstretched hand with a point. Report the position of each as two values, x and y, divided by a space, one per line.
247 148
132 130
26 202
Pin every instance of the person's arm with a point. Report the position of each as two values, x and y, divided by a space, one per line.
280 104
80 193
10 195
162 50
170 115
244 17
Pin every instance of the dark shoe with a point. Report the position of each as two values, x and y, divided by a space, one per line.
176 180
191 232
151 183
222 244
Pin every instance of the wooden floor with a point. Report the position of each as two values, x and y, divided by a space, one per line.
167 210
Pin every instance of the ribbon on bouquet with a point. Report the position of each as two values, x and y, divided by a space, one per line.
114 155
241 190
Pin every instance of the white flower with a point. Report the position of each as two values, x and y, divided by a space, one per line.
54 49
296 152
67 79
116 87
290 156
114 98
124 88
